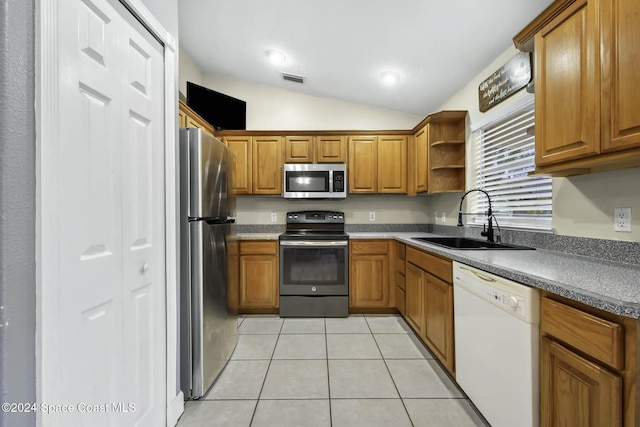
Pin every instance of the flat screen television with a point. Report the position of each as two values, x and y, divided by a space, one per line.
220 110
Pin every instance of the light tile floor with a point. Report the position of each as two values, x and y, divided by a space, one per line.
366 370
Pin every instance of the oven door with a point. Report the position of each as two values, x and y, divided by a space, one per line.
314 267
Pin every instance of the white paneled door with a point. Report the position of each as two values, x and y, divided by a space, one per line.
107 360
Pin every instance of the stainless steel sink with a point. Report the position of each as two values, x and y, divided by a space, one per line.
467 243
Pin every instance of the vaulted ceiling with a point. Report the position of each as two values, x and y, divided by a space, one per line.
342 47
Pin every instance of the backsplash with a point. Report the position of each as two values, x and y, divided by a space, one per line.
611 250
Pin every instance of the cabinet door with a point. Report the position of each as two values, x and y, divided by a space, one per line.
620 82
567 64
258 281
267 165
242 148
438 319
298 149
420 161
369 280
182 119
413 306
363 164
331 149
392 164
575 391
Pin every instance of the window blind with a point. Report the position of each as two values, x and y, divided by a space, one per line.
504 155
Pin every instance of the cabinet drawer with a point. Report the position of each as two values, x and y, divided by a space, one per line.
433 264
258 247
369 247
597 337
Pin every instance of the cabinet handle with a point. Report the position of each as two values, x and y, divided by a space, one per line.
144 268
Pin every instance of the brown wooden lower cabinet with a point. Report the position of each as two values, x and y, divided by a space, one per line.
429 302
575 391
414 290
370 274
258 285
588 366
438 315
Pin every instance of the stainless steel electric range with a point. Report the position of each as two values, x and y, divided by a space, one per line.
314 265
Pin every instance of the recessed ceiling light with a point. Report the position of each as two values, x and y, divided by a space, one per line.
276 57
390 77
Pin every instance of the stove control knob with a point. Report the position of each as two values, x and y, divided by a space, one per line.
513 302
313 289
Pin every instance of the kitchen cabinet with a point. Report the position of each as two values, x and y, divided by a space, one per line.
258 284
414 305
587 111
369 274
258 163
242 148
437 154
331 149
298 149
418 162
429 302
400 277
267 164
588 365
377 164
189 118
318 149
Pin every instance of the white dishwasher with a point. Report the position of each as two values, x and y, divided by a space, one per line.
496 325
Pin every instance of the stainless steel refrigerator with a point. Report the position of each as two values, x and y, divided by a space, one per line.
208 324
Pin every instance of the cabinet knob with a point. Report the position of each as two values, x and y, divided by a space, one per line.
144 268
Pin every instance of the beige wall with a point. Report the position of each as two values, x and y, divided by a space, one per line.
271 108
582 206
388 209
188 71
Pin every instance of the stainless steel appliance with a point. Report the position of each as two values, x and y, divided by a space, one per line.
315 181
208 330
314 265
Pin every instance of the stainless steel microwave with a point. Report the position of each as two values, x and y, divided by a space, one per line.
315 181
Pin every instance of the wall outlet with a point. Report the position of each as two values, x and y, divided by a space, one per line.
622 219
274 217
372 216
444 217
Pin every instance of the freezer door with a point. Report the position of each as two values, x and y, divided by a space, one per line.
207 171
214 328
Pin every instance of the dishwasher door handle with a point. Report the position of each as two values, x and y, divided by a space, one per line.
480 276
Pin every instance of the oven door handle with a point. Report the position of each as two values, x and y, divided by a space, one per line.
313 243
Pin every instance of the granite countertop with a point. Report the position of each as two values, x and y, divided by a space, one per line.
607 285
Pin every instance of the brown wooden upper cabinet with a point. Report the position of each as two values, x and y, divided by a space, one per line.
258 163
586 83
315 149
437 154
377 164
189 118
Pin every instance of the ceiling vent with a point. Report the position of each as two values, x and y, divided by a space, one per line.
293 78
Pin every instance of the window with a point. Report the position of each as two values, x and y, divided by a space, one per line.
504 155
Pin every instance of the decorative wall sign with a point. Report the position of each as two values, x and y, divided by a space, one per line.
510 78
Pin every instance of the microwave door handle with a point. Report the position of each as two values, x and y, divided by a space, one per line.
330 180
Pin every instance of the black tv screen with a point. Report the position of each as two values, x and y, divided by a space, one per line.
220 110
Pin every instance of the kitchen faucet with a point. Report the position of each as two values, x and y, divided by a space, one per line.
487 231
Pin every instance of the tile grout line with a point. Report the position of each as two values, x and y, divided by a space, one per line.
266 374
326 348
384 360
